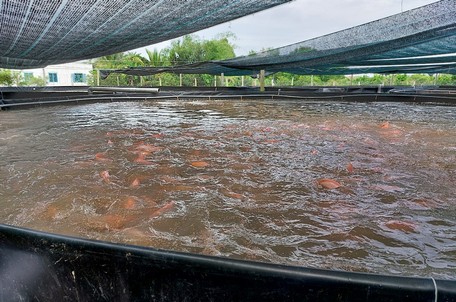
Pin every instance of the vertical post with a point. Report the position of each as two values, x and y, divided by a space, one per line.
311 80
435 79
141 81
118 81
242 81
196 83
215 80
262 73
180 79
44 78
222 79
351 79
159 81
292 81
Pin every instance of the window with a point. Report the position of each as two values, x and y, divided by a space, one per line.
53 77
79 78
28 76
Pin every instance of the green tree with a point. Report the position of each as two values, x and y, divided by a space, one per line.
191 49
446 79
114 61
401 79
421 80
33 81
155 58
6 77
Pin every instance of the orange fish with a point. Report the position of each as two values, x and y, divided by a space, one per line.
101 157
105 176
350 168
149 201
421 203
385 125
135 183
167 207
233 195
141 159
113 221
130 203
147 148
403 226
51 212
328 183
199 164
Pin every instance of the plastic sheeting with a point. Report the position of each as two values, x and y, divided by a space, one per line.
422 40
36 33
36 266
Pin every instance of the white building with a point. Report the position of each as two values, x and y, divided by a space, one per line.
70 74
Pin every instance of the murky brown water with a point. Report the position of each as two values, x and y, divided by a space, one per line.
240 179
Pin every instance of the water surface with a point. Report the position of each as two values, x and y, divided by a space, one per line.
240 179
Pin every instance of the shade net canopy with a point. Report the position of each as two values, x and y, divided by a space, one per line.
36 33
421 40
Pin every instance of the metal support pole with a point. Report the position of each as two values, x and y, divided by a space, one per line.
222 80
180 79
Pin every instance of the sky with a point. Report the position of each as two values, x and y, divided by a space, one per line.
300 20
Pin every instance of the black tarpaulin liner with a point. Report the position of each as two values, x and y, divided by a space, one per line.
44 267
36 33
421 40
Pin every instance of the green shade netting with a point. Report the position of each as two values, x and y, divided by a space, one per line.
421 40
36 33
